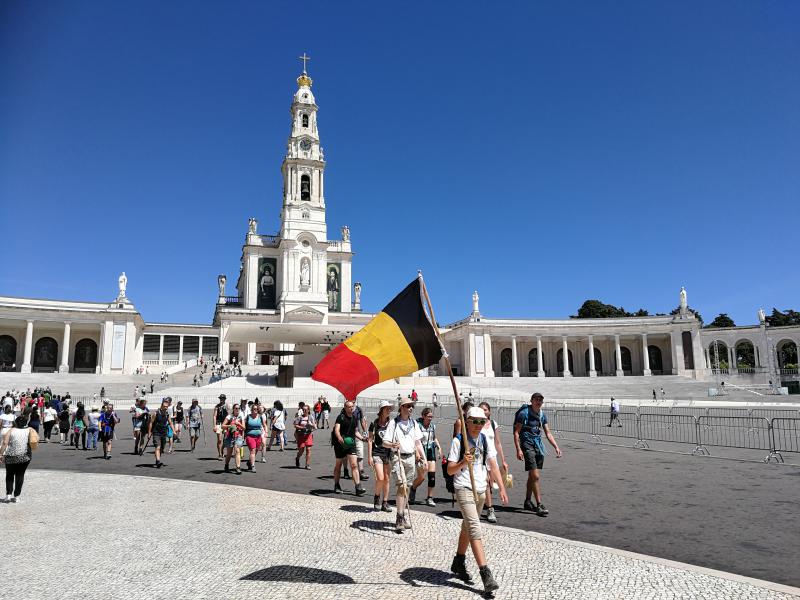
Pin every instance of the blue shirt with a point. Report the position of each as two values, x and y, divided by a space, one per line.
532 424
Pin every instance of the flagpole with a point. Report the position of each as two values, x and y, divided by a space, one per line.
461 417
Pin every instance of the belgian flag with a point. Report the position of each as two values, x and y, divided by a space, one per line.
398 341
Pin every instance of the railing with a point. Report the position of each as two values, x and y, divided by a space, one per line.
271 241
789 371
230 300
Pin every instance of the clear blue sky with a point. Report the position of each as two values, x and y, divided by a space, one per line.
540 153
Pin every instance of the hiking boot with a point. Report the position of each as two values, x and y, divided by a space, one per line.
238 471
385 507
364 476
489 584
459 568
296 463
542 511
412 496
360 490
398 524
406 522
430 502
227 469
490 516
337 489
376 503
529 505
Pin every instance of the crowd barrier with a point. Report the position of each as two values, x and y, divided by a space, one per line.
774 436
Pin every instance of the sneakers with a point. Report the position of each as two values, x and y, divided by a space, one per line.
227 469
238 471
337 489
16 500
346 474
459 568
9 498
376 503
360 490
430 502
490 516
263 459
398 524
489 584
542 511
529 505
364 476
385 507
412 496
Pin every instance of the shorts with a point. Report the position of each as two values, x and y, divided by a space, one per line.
304 440
194 430
253 441
231 442
381 459
404 470
359 449
106 437
430 454
342 452
533 458
159 441
470 512
218 428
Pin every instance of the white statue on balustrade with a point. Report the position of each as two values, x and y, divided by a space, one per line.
252 225
345 233
221 281
123 285
357 295
475 299
683 304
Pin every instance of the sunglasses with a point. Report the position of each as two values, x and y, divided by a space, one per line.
478 421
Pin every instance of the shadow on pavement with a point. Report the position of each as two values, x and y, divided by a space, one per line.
292 573
373 526
357 508
416 575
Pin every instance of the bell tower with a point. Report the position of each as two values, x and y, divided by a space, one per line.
303 168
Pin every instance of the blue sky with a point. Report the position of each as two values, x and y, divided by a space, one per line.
542 154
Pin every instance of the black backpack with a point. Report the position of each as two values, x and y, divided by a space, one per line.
448 479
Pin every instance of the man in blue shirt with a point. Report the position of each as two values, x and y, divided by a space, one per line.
529 424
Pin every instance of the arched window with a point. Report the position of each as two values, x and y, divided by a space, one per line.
305 187
598 360
787 354
560 361
8 352
745 354
305 120
626 359
85 355
718 354
505 361
45 354
654 356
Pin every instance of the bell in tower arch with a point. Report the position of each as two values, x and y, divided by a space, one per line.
305 187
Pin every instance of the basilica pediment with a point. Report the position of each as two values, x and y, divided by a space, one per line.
305 314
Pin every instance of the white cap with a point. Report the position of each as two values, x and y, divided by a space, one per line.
385 403
476 413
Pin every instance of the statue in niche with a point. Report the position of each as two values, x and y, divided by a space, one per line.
252 225
221 281
357 293
123 285
345 234
333 288
305 273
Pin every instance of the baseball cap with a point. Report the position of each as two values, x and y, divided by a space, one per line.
385 403
476 413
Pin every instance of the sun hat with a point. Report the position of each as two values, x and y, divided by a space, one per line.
406 401
384 404
476 413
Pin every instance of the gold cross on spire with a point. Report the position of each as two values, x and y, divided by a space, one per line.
305 59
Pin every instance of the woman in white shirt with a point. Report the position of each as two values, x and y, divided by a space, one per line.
49 419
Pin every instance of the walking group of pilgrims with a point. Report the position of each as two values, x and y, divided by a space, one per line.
402 452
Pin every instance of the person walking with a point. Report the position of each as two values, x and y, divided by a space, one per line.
379 457
277 424
233 430
159 428
220 415
108 421
6 419
304 426
318 412
490 430
345 432
430 444
16 451
79 426
529 423
178 420
63 423
482 457
50 418
404 438
254 429
614 413
195 423
92 428
326 412
34 421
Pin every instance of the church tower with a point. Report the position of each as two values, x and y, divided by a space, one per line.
303 168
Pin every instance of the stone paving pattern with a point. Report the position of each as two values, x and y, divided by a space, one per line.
141 537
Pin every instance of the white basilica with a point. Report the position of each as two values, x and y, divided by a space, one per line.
294 292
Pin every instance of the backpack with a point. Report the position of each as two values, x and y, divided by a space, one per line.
448 479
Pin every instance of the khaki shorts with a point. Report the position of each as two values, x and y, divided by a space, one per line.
470 513
378 459
403 472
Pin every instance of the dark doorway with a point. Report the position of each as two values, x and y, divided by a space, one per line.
45 354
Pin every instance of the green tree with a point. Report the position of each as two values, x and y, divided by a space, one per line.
783 319
722 320
677 310
595 309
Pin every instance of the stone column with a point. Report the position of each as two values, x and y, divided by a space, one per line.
708 359
199 347
161 349
645 356
251 353
565 351
592 369
99 368
514 365
731 359
26 356
180 349
539 361
64 366
618 354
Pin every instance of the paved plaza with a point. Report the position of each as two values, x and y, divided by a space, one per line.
138 537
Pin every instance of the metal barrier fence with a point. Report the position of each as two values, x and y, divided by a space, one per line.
681 429
785 437
751 433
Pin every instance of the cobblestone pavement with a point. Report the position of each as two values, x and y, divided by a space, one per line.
140 537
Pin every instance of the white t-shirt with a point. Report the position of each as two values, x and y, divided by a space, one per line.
461 479
94 419
7 420
280 421
489 432
49 415
406 433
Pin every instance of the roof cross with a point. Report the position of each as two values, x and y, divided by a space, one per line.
305 59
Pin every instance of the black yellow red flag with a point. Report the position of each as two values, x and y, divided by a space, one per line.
397 341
